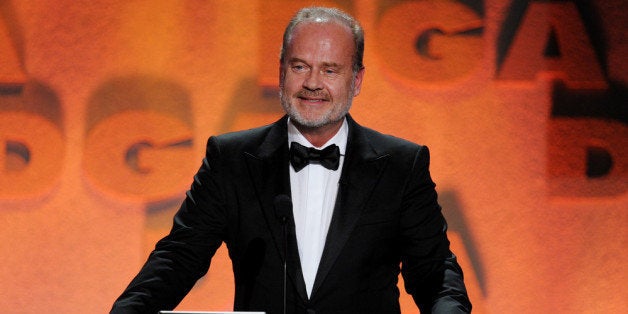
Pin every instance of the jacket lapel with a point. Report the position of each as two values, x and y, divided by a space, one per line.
268 168
361 171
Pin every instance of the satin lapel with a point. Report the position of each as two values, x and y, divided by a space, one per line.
268 168
361 171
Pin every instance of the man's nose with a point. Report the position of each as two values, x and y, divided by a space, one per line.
313 81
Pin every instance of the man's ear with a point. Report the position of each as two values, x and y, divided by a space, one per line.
282 74
357 86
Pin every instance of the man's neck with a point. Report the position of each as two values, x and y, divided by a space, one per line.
318 136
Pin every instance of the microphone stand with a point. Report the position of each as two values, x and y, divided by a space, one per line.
285 263
283 210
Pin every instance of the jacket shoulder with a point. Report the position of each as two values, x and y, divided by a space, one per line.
243 136
256 140
387 143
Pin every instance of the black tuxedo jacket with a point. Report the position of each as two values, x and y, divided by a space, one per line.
386 220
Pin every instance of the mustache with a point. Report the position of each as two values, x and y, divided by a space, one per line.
312 94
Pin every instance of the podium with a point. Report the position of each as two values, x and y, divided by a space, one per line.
201 312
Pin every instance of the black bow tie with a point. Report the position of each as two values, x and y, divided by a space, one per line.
301 156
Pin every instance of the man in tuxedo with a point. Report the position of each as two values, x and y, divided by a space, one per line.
319 214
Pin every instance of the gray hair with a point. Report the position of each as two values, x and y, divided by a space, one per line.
321 14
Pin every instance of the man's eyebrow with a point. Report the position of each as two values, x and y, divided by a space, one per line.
324 64
331 65
294 59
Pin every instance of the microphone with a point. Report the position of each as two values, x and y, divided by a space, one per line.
283 210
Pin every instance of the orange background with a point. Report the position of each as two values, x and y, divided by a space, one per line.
105 107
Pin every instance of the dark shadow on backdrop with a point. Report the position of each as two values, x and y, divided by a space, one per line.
139 92
8 19
589 13
7 13
457 223
609 104
34 97
250 98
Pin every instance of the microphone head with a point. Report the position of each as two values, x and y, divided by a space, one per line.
283 207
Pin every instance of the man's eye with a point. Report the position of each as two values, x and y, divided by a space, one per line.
298 68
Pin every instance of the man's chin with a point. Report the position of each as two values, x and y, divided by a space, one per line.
313 123
308 123
314 119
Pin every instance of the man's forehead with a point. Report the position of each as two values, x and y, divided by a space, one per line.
314 25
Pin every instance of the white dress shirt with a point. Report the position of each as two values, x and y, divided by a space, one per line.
314 191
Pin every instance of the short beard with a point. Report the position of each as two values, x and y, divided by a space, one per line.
330 117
